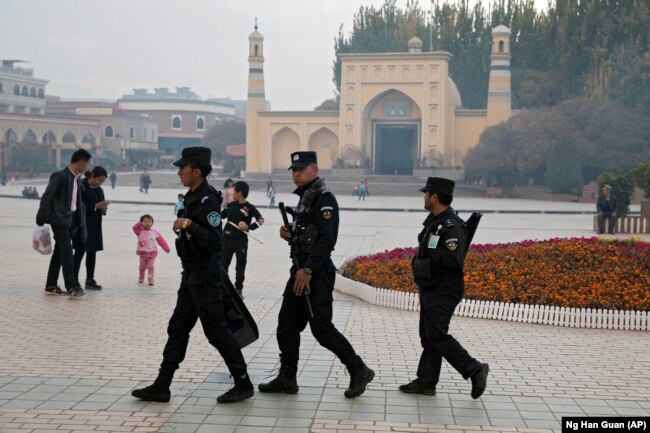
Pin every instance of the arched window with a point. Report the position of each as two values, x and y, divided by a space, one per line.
30 137
131 132
501 44
144 136
41 93
0 87
153 135
200 123
10 137
49 138
255 50
16 89
108 131
32 92
176 122
69 138
25 91
89 138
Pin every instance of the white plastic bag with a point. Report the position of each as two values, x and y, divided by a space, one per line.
42 241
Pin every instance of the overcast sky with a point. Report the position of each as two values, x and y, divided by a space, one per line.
105 48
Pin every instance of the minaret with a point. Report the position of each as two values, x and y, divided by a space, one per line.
256 102
499 96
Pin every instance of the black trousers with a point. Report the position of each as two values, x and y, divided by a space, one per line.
233 245
62 255
200 297
91 258
293 319
612 217
436 310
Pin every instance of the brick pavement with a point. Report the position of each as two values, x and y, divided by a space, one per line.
70 365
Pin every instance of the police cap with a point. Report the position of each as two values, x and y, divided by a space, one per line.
439 185
197 155
303 159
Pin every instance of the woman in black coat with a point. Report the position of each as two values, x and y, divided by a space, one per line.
93 198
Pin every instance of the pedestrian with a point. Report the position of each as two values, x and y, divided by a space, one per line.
147 248
272 197
228 191
365 182
269 187
362 191
146 182
235 241
113 179
3 179
200 295
179 206
438 272
312 237
96 206
61 206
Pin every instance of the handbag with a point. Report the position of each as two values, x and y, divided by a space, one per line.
41 240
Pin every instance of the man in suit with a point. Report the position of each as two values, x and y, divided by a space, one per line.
62 207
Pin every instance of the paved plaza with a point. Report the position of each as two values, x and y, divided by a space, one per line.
70 365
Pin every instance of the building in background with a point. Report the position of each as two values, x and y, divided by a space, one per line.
399 113
182 116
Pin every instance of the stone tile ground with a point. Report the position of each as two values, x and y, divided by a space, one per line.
69 366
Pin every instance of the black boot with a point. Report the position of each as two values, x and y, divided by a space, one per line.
479 381
242 390
418 386
360 376
285 382
159 390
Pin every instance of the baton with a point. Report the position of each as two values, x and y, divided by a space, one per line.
246 233
305 295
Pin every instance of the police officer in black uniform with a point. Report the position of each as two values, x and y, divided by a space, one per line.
241 213
315 229
200 294
438 271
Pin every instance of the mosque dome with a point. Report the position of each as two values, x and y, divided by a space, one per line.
500 30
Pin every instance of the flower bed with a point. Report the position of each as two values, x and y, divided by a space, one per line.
577 272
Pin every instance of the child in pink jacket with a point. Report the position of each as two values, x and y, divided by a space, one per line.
147 248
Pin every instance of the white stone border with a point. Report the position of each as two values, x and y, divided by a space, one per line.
543 314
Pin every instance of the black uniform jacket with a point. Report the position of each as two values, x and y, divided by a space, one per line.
201 242
316 224
441 248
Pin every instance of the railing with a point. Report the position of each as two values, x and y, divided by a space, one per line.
628 224
541 314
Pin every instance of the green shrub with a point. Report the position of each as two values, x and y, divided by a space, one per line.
641 175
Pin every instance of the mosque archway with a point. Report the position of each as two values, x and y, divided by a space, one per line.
392 127
283 143
326 145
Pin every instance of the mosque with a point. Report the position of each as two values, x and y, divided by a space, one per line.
397 112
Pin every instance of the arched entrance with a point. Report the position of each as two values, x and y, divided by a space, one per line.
283 143
326 145
392 122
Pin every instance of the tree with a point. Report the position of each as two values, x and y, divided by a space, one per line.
222 134
641 175
328 104
563 171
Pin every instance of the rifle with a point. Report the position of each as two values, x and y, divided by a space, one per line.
294 259
472 225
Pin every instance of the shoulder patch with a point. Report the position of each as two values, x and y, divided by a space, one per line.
327 212
214 219
204 199
451 244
